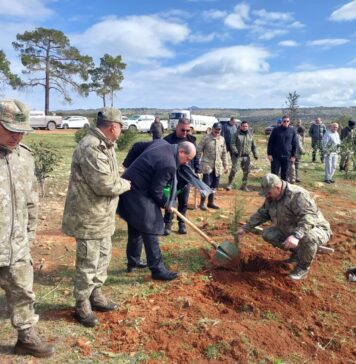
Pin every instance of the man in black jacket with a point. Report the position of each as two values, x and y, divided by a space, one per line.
181 134
141 207
281 149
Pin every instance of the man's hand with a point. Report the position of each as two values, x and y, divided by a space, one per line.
200 175
292 159
291 242
240 233
270 158
169 210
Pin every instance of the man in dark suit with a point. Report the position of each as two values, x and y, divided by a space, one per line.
281 149
140 207
181 134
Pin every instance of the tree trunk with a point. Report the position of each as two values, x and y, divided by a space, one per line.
47 80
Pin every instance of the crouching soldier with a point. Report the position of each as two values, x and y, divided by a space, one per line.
18 210
298 225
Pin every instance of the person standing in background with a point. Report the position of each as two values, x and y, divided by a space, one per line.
331 143
316 132
156 129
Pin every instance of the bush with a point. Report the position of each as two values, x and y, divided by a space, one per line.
80 134
126 139
46 160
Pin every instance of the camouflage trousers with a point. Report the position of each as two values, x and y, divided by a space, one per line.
245 166
307 247
317 144
92 261
17 281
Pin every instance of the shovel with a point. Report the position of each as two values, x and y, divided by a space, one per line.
226 254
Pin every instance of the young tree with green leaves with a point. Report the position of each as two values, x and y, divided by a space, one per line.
291 106
52 62
6 76
107 78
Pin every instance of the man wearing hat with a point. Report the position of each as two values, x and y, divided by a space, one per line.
298 225
18 210
89 213
212 152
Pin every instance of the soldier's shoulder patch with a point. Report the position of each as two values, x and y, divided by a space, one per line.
26 147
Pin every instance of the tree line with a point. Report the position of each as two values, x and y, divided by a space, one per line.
51 62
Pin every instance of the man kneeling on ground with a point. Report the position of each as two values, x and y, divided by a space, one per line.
298 225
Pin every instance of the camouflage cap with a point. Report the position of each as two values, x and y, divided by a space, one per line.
110 114
269 181
14 116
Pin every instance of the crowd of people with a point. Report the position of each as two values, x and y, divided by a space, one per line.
97 192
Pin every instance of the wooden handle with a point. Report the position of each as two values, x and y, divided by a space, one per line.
201 233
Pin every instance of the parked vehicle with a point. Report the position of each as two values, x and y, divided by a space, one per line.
141 123
75 122
38 119
198 123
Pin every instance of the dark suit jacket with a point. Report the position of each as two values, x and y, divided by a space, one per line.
149 173
282 142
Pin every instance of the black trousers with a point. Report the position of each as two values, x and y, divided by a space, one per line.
182 199
136 239
280 164
211 179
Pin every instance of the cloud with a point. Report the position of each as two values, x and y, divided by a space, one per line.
288 43
237 19
267 17
346 13
230 60
214 14
138 39
25 8
327 42
203 38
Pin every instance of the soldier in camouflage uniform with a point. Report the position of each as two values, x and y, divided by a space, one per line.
242 144
89 213
298 225
18 210
212 152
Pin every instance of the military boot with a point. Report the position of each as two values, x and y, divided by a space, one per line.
84 314
229 183
202 203
100 303
29 343
211 203
181 228
244 187
167 228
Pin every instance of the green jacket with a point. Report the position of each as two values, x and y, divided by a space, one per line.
243 144
18 204
94 189
212 152
294 213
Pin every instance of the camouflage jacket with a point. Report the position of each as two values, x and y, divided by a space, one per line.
18 204
243 144
212 152
294 213
94 189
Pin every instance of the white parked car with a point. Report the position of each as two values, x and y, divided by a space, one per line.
75 122
139 123
38 119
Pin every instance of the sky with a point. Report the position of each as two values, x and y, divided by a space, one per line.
204 53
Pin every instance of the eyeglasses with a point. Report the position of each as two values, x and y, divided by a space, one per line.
285 121
186 130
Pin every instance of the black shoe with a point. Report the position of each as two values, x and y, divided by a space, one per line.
109 306
331 181
167 228
181 228
165 276
298 180
140 265
327 181
213 206
202 207
299 273
87 321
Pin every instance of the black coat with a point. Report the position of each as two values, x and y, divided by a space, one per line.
282 142
153 170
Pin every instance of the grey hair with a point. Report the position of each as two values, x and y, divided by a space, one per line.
183 121
187 147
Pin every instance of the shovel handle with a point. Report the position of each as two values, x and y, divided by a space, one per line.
201 233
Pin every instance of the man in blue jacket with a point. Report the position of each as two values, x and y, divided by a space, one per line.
281 149
141 207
